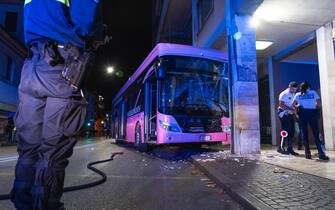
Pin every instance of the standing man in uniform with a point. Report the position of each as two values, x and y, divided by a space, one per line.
286 116
308 102
50 110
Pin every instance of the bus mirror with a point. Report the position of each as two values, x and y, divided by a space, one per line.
160 73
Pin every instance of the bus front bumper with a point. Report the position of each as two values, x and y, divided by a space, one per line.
168 137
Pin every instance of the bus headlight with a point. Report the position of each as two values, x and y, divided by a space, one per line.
169 126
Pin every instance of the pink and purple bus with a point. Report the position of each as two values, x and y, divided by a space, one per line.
179 94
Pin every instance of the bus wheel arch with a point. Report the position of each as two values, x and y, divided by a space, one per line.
141 146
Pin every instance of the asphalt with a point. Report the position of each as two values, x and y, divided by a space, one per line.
162 179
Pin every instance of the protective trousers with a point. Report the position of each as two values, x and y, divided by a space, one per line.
310 117
49 115
287 124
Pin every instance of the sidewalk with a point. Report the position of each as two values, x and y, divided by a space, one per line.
272 181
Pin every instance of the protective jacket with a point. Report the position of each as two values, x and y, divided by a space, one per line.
64 21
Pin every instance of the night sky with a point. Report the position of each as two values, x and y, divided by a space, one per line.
131 28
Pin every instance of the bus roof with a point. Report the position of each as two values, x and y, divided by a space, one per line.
165 49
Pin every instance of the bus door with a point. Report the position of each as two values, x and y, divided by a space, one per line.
123 120
151 109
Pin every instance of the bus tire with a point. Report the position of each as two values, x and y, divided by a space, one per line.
195 145
118 141
142 147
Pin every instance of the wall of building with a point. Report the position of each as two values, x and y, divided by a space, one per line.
14 7
7 52
299 72
12 54
8 88
214 26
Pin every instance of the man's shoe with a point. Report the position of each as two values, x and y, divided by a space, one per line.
282 151
308 156
293 153
323 157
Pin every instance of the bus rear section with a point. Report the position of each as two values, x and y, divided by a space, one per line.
177 98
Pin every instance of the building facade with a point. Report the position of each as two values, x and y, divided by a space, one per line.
299 37
172 21
12 55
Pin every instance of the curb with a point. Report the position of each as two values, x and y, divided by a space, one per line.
237 193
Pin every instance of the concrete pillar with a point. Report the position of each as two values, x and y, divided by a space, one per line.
246 138
326 59
274 75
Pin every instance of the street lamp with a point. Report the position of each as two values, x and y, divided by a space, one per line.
110 70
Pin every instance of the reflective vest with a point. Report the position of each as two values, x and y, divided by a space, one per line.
65 2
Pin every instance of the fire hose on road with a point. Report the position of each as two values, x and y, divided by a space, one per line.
83 186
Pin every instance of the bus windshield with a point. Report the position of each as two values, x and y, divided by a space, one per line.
194 86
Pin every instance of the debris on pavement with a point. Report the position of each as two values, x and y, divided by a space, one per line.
208 160
270 156
286 176
211 184
277 170
194 172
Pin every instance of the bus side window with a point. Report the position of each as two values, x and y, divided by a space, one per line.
140 99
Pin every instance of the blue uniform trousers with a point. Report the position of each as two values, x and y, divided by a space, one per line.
287 124
310 117
49 115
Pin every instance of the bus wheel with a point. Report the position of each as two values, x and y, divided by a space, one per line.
118 141
142 147
195 145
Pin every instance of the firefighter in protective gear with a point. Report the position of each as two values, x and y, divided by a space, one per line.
50 111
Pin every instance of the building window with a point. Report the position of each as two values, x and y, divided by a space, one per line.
204 8
10 70
11 21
